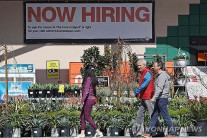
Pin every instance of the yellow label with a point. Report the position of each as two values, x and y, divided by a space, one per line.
61 88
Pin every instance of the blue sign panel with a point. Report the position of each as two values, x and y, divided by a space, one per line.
15 89
18 68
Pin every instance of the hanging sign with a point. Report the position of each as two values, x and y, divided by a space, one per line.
103 81
53 71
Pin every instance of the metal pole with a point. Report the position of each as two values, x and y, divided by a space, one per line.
6 74
119 72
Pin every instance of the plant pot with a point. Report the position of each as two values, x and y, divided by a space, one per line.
16 132
115 131
32 94
77 92
55 132
36 132
26 133
7 132
181 81
57 94
64 132
49 94
73 132
127 132
181 62
201 125
46 131
90 131
1 132
41 94
177 131
183 132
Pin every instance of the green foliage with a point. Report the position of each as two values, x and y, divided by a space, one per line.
92 57
48 86
67 87
114 61
103 92
24 114
74 87
34 87
133 86
133 60
150 64
198 110
181 56
101 118
55 87
116 123
38 122
181 76
74 119
64 121
157 58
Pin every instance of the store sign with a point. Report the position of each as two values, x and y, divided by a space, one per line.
103 81
75 76
18 68
53 71
17 90
88 22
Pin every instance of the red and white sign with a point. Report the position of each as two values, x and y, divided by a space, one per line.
89 21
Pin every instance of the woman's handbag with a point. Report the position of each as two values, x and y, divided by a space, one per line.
96 100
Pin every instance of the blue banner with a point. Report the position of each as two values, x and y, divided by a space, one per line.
15 89
18 68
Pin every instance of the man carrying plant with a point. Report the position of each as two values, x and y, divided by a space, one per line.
162 89
145 92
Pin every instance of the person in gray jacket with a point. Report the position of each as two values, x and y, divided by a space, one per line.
160 98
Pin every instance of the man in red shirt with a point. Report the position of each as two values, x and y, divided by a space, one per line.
145 92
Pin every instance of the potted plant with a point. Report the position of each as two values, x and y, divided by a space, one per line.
198 111
53 123
64 126
67 91
38 123
32 90
75 90
74 119
181 59
116 126
55 89
133 86
115 123
128 122
101 119
181 80
89 130
6 125
16 122
103 93
42 91
48 89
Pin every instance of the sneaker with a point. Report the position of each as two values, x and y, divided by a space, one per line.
169 136
146 135
98 135
80 136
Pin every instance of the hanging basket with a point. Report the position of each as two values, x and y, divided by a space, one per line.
181 81
181 62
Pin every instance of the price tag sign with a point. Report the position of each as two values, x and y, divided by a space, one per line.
61 88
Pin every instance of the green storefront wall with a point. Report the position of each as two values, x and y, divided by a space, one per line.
194 24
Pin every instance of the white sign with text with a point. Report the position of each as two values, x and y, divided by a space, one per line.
88 20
